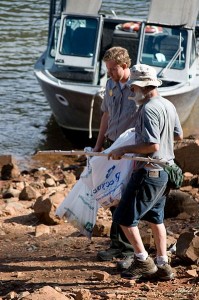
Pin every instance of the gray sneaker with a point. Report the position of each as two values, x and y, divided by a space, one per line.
164 272
125 263
109 254
140 268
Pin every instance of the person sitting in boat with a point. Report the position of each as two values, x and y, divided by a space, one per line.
160 57
119 114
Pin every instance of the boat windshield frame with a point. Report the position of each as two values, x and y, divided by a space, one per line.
78 40
164 47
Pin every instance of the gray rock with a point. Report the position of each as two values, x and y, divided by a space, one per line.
187 247
178 202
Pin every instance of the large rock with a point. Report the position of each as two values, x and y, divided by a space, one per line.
9 170
186 154
45 208
10 193
102 228
46 292
187 247
6 159
83 294
179 202
42 229
28 193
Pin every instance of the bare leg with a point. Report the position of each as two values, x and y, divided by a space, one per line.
159 233
133 235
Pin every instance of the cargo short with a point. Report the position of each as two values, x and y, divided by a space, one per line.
143 199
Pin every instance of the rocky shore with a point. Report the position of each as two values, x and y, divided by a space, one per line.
42 256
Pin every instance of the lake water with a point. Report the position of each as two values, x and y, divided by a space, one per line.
26 124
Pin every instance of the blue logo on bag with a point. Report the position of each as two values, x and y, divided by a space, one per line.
110 171
108 183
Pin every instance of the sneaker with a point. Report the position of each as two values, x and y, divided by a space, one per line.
140 268
125 264
164 272
109 254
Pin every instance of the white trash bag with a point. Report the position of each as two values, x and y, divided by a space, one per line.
101 184
110 177
79 208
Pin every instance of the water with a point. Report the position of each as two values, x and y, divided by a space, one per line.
24 111
25 117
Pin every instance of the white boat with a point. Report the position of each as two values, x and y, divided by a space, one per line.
173 52
73 76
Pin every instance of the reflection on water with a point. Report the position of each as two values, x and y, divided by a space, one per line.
56 139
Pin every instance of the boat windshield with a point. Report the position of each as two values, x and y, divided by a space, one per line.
78 36
164 47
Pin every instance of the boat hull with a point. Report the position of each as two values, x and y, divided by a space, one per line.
73 78
75 108
191 126
184 100
78 108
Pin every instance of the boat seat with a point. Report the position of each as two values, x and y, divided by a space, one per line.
83 42
167 45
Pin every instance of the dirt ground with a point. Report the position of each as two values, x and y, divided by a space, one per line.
67 260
